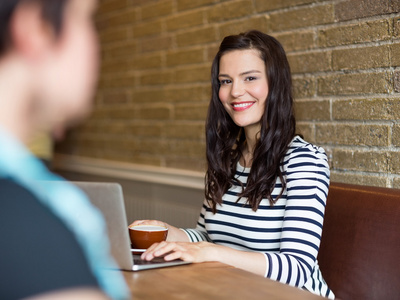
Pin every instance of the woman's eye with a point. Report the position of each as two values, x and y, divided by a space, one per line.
224 81
251 78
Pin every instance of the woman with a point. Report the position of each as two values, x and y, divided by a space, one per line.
266 188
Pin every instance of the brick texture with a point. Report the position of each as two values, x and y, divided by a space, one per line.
396 25
312 110
295 41
154 85
302 17
304 87
193 75
361 58
234 27
156 10
230 10
270 5
361 32
182 57
396 135
395 54
360 160
355 178
353 9
306 130
155 43
396 183
366 109
190 4
185 20
394 162
309 62
197 36
359 83
350 134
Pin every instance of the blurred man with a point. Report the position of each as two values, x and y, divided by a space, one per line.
48 67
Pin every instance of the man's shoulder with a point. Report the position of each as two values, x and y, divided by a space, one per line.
15 197
36 240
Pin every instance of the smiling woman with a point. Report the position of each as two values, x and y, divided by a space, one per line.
266 188
262 133
244 89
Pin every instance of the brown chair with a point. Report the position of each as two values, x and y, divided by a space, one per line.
360 248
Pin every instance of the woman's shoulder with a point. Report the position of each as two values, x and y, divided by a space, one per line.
304 159
299 148
298 144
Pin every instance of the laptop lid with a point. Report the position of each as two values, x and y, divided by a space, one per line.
108 198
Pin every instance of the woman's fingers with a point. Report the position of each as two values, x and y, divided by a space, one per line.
161 249
177 254
154 250
194 252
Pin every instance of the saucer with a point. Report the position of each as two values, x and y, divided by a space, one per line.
137 251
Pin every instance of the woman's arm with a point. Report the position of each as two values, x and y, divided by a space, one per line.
199 250
199 234
307 176
204 251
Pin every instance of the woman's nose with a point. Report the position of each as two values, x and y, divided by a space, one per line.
237 89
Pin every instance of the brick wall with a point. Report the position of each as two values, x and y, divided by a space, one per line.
154 84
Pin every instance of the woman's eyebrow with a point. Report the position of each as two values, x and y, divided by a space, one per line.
249 72
241 74
223 75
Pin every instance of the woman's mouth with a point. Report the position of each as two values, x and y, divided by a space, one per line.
241 106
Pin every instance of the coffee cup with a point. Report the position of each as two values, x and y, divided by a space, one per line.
143 236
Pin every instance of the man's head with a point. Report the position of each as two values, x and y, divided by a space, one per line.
51 11
54 46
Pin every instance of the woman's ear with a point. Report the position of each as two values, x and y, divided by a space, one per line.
30 34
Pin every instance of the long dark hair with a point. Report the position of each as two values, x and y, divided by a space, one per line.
225 139
52 12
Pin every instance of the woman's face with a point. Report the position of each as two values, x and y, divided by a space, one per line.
243 87
70 73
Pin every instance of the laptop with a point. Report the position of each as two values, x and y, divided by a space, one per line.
108 198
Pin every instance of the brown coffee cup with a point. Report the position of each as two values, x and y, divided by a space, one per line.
143 236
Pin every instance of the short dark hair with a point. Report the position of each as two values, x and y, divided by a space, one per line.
52 12
225 139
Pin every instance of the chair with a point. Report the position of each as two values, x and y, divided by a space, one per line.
359 254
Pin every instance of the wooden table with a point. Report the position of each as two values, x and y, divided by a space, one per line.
208 281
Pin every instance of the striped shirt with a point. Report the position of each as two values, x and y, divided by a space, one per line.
287 233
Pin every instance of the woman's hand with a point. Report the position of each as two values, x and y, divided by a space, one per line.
203 251
174 234
193 252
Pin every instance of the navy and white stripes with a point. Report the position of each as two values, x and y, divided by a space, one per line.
289 232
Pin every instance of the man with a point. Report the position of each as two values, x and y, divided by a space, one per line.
48 67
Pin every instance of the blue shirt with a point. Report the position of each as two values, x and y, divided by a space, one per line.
69 204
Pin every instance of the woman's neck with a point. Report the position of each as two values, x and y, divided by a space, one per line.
249 146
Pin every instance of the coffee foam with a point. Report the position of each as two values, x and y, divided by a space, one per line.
148 228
